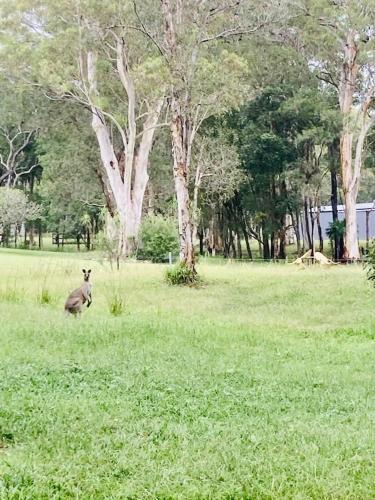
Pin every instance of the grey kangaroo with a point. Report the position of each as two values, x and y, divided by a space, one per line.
80 296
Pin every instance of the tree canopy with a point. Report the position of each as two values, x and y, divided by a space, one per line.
238 118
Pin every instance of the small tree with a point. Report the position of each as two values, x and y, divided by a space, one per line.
15 210
158 236
110 240
18 133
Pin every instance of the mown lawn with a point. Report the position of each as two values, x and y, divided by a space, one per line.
260 384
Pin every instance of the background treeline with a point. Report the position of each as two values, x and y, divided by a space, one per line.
153 127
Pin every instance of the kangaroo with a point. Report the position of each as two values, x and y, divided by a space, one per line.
80 296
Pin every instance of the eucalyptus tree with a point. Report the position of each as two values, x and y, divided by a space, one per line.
265 137
19 126
217 176
340 41
205 75
89 52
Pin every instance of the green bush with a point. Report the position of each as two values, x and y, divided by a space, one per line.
158 237
336 229
370 263
180 274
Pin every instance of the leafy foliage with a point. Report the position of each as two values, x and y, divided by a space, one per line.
370 263
158 237
45 297
15 207
180 274
336 229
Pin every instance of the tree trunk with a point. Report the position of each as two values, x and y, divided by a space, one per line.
25 235
232 245
88 239
259 230
351 248
124 178
31 235
321 242
296 226
246 236
201 242
225 237
307 224
40 236
346 92
335 214
197 184
282 253
272 245
266 244
312 219
151 199
239 248
182 131
180 146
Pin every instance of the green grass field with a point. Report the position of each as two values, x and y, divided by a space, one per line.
259 384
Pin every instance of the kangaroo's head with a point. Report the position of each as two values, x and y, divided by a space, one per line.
86 274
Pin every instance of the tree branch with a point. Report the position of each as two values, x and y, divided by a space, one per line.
232 32
25 172
152 128
145 31
328 79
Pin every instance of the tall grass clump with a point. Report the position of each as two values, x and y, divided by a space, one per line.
116 304
180 274
159 236
45 297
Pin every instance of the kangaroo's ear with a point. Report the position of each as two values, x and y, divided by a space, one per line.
89 271
84 271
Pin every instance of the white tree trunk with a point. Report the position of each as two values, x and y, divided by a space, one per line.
351 237
127 187
351 250
141 164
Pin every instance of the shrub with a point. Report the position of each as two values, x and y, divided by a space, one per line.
158 237
15 207
336 232
180 274
370 263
